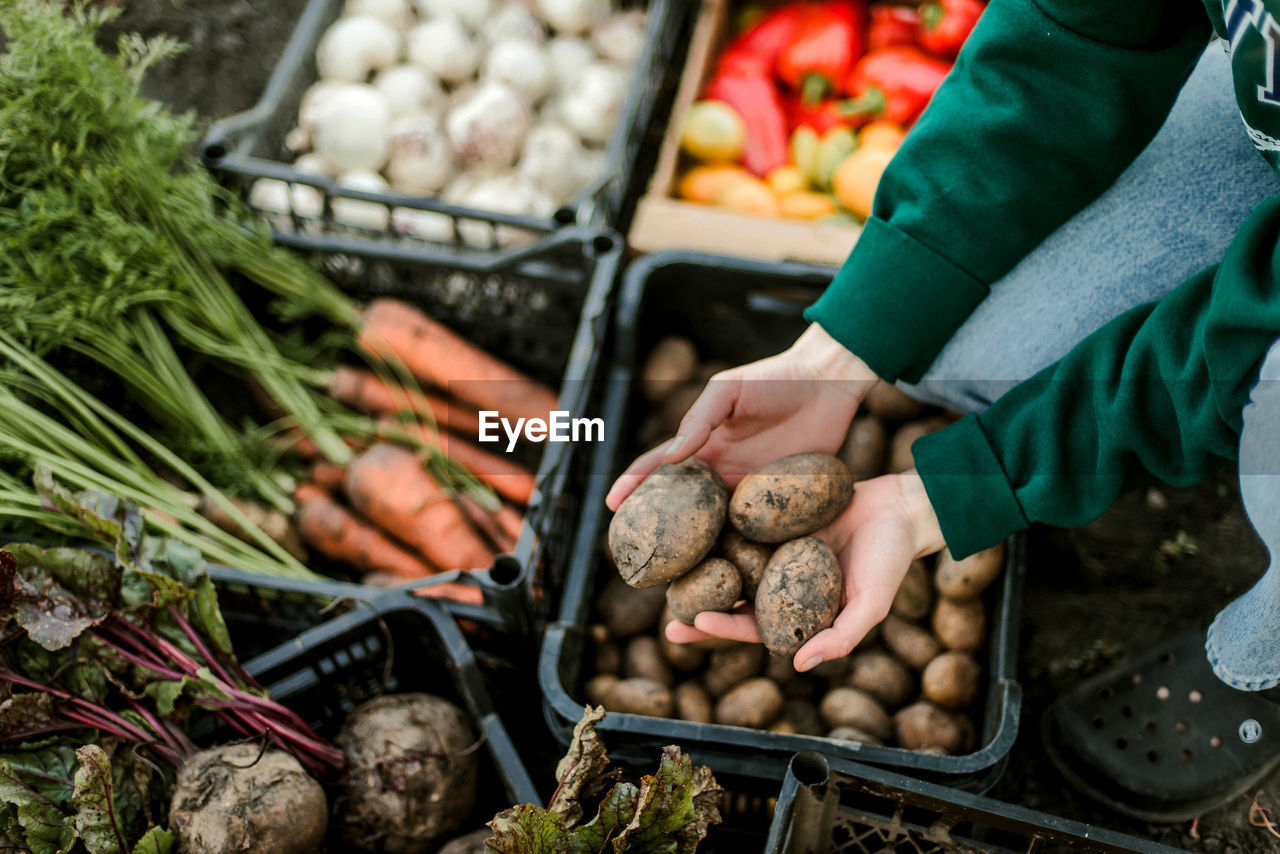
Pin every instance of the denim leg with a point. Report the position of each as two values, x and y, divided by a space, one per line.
1244 639
1170 215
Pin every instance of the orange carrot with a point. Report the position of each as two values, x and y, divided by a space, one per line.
327 476
509 479
485 522
372 395
454 590
510 520
391 488
435 354
337 534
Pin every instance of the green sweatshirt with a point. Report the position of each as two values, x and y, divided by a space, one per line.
1049 102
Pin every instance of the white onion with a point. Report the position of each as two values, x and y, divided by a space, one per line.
444 47
522 65
397 14
353 48
421 160
513 21
410 89
357 213
569 55
351 129
621 39
574 16
470 12
593 103
488 129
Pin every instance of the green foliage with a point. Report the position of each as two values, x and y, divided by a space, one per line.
668 813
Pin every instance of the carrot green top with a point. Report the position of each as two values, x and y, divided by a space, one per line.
1048 103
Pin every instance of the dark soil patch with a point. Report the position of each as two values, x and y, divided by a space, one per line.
1155 564
233 46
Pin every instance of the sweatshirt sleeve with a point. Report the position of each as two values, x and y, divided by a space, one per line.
1156 394
1048 103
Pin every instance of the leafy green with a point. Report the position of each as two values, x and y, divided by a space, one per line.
668 813
97 819
40 823
157 840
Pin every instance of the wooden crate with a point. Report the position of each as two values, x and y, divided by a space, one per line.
665 222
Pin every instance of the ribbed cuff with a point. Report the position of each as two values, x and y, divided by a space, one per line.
967 487
895 302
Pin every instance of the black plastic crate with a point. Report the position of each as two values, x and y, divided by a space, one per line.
250 145
828 805
390 645
738 310
541 308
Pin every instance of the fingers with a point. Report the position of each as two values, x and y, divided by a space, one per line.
633 476
740 626
711 625
708 412
850 627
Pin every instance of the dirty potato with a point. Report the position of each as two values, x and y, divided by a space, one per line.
882 676
909 642
644 658
966 579
754 703
731 665
669 524
672 361
960 625
790 497
900 456
713 585
923 725
627 611
598 688
858 709
749 557
851 733
915 594
692 703
799 596
888 401
863 448
640 696
951 680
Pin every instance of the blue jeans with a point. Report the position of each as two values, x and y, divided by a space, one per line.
1170 215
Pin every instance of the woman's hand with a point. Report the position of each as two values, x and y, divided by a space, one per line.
889 523
802 399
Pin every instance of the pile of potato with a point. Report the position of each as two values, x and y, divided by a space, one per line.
682 544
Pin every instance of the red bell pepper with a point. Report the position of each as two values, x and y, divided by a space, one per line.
758 101
945 24
892 24
822 117
756 49
894 84
827 41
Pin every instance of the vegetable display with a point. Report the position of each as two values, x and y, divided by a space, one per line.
502 107
807 80
156 345
912 683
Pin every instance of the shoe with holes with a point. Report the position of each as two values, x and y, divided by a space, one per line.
1160 737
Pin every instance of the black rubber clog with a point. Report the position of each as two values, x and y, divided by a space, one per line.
1160 737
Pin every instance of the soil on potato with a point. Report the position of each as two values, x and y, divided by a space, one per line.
1156 563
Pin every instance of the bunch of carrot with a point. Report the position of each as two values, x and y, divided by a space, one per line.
386 514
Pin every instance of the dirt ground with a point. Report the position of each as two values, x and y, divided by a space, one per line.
1157 562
